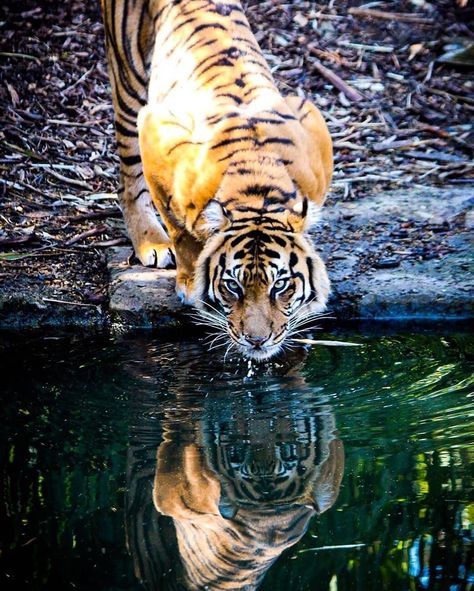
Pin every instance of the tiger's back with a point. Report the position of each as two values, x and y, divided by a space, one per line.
213 104
199 49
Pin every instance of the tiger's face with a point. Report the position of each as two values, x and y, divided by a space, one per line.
266 473
258 285
272 463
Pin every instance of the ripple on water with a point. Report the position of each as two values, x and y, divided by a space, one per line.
85 419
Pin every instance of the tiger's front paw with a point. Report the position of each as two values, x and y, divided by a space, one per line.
184 289
157 255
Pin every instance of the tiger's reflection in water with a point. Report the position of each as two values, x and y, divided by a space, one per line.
222 481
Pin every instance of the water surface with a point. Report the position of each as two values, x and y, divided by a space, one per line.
135 463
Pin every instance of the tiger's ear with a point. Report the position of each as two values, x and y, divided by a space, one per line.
213 218
304 216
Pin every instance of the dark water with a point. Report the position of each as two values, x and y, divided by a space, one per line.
129 460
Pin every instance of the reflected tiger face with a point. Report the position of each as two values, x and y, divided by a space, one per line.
258 285
262 470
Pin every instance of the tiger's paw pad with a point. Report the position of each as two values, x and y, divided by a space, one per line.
159 256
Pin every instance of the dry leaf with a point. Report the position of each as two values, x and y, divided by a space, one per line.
415 50
13 95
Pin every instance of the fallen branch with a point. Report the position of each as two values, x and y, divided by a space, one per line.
109 243
28 153
24 56
338 547
364 47
68 123
403 17
17 240
445 93
436 156
69 181
87 234
442 133
351 93
55 301
104 243
396 145
112 212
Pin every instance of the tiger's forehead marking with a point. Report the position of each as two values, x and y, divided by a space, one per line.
261 256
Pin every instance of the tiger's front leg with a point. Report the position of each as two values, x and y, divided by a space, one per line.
187 250
185 246
129 41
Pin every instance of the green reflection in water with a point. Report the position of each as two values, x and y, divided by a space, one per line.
74 409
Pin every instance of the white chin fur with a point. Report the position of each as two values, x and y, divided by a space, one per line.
259 354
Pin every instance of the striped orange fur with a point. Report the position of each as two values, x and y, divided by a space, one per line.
235 170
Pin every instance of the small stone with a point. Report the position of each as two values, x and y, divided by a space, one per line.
300 19
387 263
469 219
402 233
377 87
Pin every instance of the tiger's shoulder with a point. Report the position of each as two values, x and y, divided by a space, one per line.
188 154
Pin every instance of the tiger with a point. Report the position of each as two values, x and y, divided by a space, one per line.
214 498
237 172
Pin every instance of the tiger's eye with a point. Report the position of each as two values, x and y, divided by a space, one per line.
232 285
280 284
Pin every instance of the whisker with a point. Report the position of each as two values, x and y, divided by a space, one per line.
296 322
207 313
212 334
295 333
213 346
302 308
209 324
217 346
215 311
229 348
209 319
302 314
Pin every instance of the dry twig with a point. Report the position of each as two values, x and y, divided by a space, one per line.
404 17
351 93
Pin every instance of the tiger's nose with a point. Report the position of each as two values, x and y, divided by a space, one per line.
255 341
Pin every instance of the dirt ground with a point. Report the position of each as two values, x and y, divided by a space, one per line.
400 117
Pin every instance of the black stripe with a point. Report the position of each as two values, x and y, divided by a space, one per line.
125 131
228 142
277 140
248 92
200 28
233 97
309 262
207 266
142 192
130 160
221 62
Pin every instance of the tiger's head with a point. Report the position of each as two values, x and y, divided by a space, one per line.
258 278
